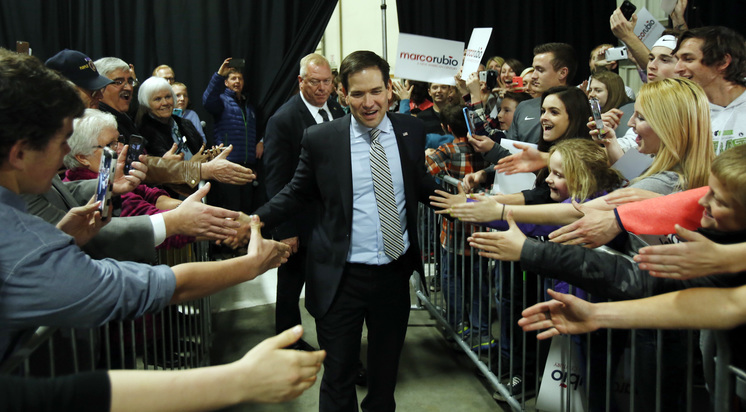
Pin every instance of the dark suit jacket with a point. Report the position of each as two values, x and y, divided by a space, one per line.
281 152
123 238
324 175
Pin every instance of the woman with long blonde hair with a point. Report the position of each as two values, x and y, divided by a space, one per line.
672 121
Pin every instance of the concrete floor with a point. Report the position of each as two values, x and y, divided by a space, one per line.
432 377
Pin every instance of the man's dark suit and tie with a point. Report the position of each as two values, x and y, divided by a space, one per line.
282 146
353 277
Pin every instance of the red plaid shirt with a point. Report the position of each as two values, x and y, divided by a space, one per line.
456 159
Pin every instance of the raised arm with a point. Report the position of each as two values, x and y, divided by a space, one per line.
199 279
717 308
266 374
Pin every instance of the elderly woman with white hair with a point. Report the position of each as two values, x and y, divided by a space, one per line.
91 133
159 126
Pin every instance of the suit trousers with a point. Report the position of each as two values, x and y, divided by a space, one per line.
378 296
290 279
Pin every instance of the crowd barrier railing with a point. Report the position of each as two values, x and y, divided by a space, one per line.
477 303
178 337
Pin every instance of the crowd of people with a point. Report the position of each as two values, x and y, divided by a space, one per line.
685 118
346 160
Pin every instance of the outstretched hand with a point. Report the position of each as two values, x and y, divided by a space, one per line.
697 257
225 171
194 218
264 254
83 222
472 181
597 227
528 160
629 195
171 153
277 374
485 209
566 314
445 200
404 91
506 246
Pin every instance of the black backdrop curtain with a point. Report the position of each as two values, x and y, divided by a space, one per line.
192 36
518 26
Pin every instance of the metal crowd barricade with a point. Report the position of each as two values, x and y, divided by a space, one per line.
614 370
178 337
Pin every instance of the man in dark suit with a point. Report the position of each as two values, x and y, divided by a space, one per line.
281 151
366 172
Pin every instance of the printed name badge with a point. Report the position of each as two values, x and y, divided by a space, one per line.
428 59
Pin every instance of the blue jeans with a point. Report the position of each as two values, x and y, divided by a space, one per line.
477 302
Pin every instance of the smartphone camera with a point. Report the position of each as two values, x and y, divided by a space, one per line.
596 110
136 143
105 179
489 77
616 53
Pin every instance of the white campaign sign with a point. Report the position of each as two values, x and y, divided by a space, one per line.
508 184
428 59
480 37
563 384
648 29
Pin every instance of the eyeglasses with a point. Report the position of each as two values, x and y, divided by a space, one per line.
316 82
120 81
113 145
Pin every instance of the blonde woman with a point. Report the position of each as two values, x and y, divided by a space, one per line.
672 121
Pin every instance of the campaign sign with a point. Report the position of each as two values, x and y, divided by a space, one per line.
480 37
428 59
648 29
516 182
563 384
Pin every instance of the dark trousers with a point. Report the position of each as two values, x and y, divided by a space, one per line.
378 296
290 279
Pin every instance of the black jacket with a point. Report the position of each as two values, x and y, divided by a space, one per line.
616 275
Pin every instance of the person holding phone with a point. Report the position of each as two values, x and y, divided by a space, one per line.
46 278
91 133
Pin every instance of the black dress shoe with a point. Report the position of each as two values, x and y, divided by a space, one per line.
362 376
302 345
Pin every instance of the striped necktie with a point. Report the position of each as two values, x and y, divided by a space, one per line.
393 242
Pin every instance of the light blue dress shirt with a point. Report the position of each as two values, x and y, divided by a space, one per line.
45 279
366 243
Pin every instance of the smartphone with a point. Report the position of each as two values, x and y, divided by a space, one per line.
489 77
105 181
237 63
136 144
469 121
596 109
616 53
628 9
517 82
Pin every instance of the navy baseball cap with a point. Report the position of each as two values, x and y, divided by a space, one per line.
78 68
